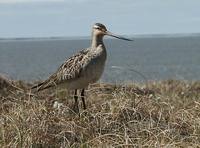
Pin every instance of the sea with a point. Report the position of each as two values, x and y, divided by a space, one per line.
147 58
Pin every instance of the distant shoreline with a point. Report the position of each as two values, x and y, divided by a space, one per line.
176 35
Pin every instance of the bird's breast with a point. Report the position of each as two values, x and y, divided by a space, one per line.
95 68
92 69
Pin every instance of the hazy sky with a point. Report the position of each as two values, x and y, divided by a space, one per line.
44 18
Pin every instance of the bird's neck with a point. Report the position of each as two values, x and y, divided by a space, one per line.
97 40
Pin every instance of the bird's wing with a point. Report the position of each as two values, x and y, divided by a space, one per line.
69 70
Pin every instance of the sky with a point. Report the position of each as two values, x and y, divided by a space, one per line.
68 18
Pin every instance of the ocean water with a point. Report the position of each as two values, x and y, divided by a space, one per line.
157 58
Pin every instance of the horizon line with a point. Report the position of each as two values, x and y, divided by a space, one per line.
88 37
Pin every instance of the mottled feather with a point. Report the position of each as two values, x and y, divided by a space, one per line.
68 71
83 68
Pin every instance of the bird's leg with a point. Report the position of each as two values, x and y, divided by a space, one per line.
76 108
83 98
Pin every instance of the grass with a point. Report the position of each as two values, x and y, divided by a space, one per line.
164 114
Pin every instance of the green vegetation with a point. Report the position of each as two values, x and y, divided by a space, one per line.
165 113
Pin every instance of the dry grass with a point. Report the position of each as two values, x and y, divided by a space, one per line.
166 114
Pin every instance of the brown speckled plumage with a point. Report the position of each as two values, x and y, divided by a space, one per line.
83 68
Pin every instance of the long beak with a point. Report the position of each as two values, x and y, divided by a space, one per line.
116 36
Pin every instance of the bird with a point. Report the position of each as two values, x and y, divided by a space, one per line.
83 68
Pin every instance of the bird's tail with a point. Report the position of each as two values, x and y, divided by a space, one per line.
50 82
37 87
40 86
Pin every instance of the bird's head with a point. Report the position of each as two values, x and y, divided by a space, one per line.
100 30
